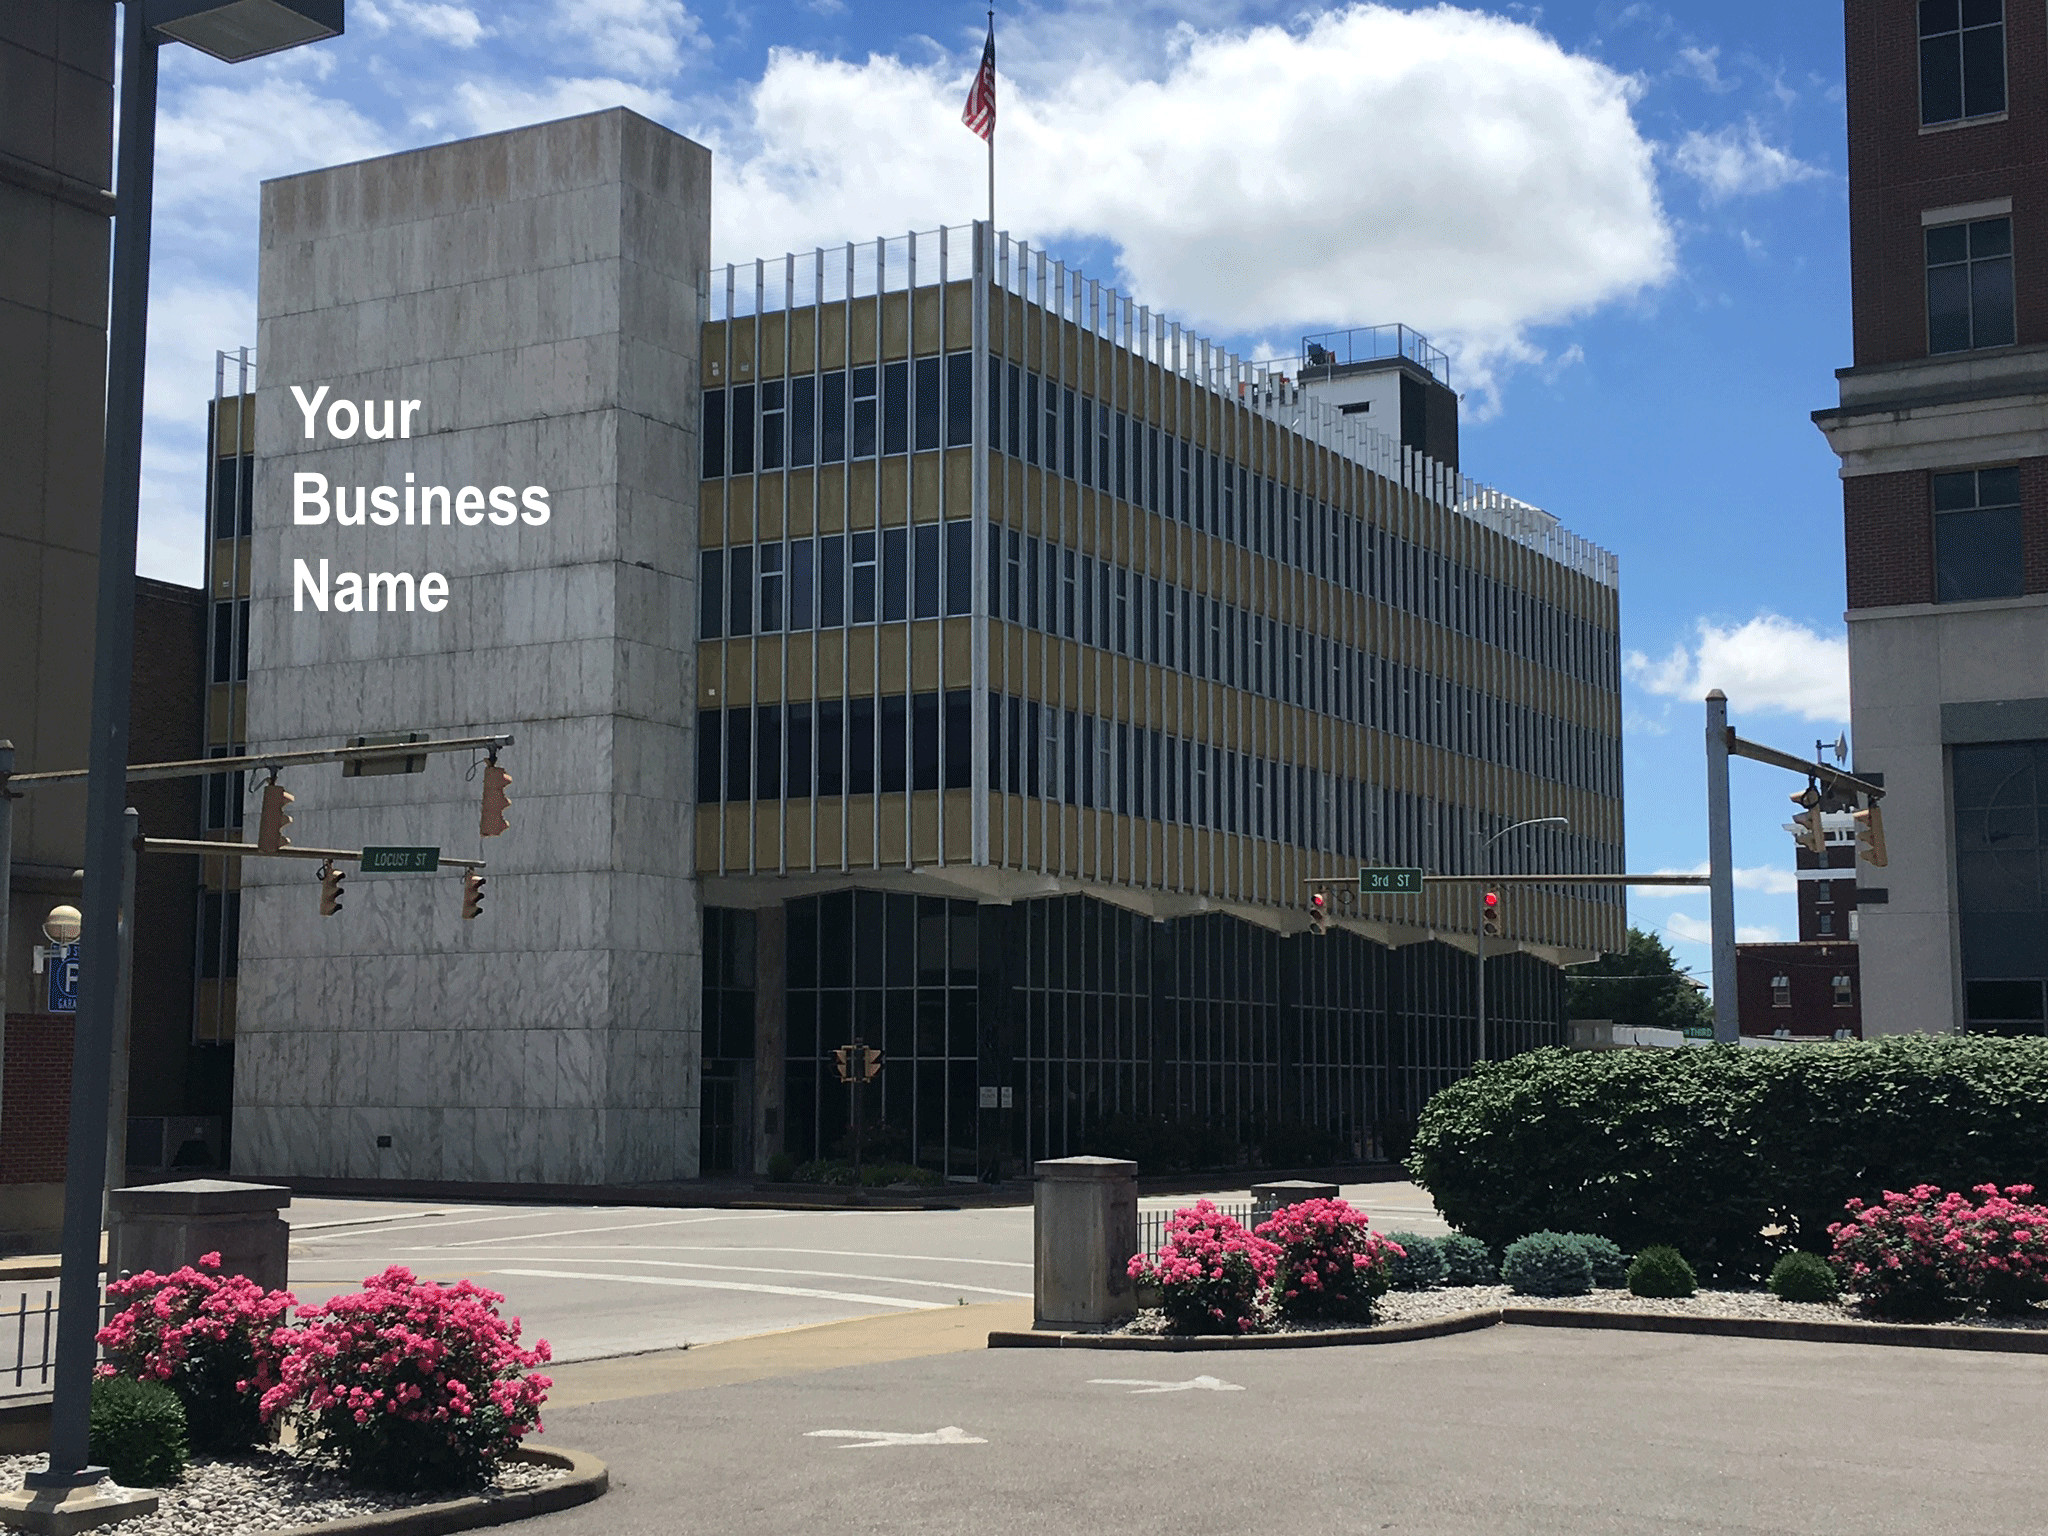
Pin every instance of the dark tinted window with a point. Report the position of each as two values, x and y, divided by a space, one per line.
1969 286
1977 535
1962 59
714 433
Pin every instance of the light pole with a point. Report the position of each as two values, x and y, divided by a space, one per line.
231 30
1486 857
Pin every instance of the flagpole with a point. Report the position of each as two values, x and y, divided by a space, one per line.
991 143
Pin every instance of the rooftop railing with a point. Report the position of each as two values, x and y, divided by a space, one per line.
1372 343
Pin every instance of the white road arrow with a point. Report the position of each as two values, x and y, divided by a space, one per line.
1144 1388
869 1439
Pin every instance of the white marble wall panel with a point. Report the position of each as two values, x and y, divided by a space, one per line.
537 291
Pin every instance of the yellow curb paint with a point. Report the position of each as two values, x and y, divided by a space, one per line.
788 1352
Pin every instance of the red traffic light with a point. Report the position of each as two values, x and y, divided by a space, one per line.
1492 899
1319 901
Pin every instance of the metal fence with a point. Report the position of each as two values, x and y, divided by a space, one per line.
28 1342
1152 1224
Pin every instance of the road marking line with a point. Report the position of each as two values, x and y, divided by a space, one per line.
731 1285
822 1253
809 1274
629 1226
869 1439
1147 1388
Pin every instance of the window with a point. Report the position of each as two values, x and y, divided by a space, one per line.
1977 535
772 397
1962 59
803 423
710 594
771 588
742 462
2001 814
1969 287
713 435
740 591
959 399
1845 992
927 423
1781 991
800 552
863 578
863 413
1826 922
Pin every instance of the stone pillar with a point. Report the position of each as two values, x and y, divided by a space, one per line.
538 292
771 1032
1085 1229
167 1226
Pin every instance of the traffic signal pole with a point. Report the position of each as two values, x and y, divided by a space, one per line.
1721 871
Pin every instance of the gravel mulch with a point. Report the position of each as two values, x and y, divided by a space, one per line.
1422 1306
270 1489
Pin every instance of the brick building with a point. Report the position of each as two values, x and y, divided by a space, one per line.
1811 987
1942 430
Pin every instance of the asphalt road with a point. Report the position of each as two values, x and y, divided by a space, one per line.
1523 1431
599 1282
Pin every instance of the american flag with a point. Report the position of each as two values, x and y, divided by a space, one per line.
980 111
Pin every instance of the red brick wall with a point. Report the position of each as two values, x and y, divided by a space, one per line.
1888 532
1896 171
35 1098
1812 969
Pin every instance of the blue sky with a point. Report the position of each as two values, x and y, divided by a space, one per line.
1627 223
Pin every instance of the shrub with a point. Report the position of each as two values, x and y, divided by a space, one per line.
1209 1271
137 1431
408 1384
872 1175
1926 1253
1419 1264
781 1168
1707 1148
1661 1270
1609 1263
1547 1264
1804 1277
206 1336
1298 1144
1467 1261
1328 1264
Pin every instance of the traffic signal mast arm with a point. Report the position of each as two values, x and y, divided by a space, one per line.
289 851
203 767
1831 779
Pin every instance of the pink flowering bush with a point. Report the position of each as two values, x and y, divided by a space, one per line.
1329 1265
408 1384
1209 1271
1928 1253
206 1336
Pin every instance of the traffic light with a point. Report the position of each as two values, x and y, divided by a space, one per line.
842 1061
1319 912
472 895
1870 835
330 888
1489 915
496 801
270 827
871 1067
1807 831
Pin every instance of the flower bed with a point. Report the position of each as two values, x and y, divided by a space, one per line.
1314 1261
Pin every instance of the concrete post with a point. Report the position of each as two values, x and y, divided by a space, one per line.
166 1226
1085 1229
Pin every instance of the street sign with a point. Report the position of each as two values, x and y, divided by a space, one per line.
64 980
1390 882
401 861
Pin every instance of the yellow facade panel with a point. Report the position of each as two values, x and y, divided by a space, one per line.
924 658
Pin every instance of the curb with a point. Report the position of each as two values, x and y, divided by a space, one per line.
588 1479
1170 1343
1819 1331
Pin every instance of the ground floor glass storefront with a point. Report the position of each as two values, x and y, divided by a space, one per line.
1066 1025
2001 829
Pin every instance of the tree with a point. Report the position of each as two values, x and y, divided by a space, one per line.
1643 987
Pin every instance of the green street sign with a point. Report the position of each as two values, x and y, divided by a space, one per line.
401 861
1390 882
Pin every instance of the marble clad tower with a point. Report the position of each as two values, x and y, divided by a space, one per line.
538 292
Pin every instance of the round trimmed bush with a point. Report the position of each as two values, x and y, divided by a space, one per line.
1661 1270
1547 1264
137 1431
1467 1261
1421 1264
1804 1277
1610 1264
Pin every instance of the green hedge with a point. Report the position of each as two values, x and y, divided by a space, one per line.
1705 1148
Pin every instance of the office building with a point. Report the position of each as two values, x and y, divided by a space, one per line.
928 645
1944 447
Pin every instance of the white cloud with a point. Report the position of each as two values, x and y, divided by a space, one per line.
1703 65
1736 161
643 39
1768 665
1459 171
215 142
1698 930
455 25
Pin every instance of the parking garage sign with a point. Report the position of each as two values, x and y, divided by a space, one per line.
63 973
